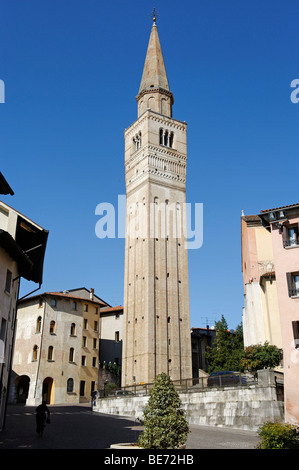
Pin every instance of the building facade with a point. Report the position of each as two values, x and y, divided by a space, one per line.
156 285
283 225
261 318
22 249
56 356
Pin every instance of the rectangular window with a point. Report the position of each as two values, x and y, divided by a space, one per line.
74 305
83 361
293 284
291 235
94 343
84 339
117 336
95 326
53 302
94 362
85 308
295 325
85 324
8 281
96 311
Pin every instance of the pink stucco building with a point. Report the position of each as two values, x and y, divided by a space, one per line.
283 224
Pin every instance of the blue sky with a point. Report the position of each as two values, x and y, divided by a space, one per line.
72 70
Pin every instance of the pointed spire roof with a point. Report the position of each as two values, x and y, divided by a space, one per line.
154 72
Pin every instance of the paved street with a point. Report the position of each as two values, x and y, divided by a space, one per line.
77 427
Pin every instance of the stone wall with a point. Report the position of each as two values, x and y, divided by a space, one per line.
245 407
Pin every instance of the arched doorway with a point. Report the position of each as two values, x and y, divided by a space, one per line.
22 384
48 390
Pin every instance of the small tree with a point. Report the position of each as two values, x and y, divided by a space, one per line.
261 356
165 425
227 349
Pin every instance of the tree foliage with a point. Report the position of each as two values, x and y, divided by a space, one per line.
261 356
227 350
165 425
278 436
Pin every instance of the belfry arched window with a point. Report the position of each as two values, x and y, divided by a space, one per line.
166 138
137 141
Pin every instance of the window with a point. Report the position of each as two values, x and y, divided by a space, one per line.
70 386
2 340
52 327
94 362
290 236
95 343
35 353
73 329
71 355
85 308
293 284
74 305
84 339
8 281
137 141
117 336
38 325
83 361
166 138
85 324
95 326
295 325
53 303
50 353
96 310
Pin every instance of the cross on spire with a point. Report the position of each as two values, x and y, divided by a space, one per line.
155 15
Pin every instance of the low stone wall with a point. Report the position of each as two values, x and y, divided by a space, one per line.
244 407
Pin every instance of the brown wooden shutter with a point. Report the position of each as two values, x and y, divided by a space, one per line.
290 283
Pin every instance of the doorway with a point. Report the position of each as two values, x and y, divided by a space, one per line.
48 391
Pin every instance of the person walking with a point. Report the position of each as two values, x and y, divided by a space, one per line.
42 417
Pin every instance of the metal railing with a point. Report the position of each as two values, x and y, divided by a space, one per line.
186 385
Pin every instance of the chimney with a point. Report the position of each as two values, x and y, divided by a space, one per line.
91 294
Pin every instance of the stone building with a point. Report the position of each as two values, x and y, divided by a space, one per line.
22 249
156 285
56 348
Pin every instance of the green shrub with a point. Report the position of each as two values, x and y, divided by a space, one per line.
165 425
278 436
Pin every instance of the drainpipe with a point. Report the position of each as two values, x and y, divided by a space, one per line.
40 351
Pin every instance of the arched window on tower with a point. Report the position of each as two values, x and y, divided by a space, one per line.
52 327
161 141
38 325
166 138
35 352
50 353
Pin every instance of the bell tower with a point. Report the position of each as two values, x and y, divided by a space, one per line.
157 334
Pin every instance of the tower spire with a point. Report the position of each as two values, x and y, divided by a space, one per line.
154 78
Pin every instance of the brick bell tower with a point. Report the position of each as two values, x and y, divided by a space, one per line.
156 286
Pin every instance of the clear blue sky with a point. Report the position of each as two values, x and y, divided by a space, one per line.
72 69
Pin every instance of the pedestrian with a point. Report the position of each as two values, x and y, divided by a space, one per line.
42 417
94 396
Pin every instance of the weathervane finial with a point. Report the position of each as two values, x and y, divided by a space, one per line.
154 15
